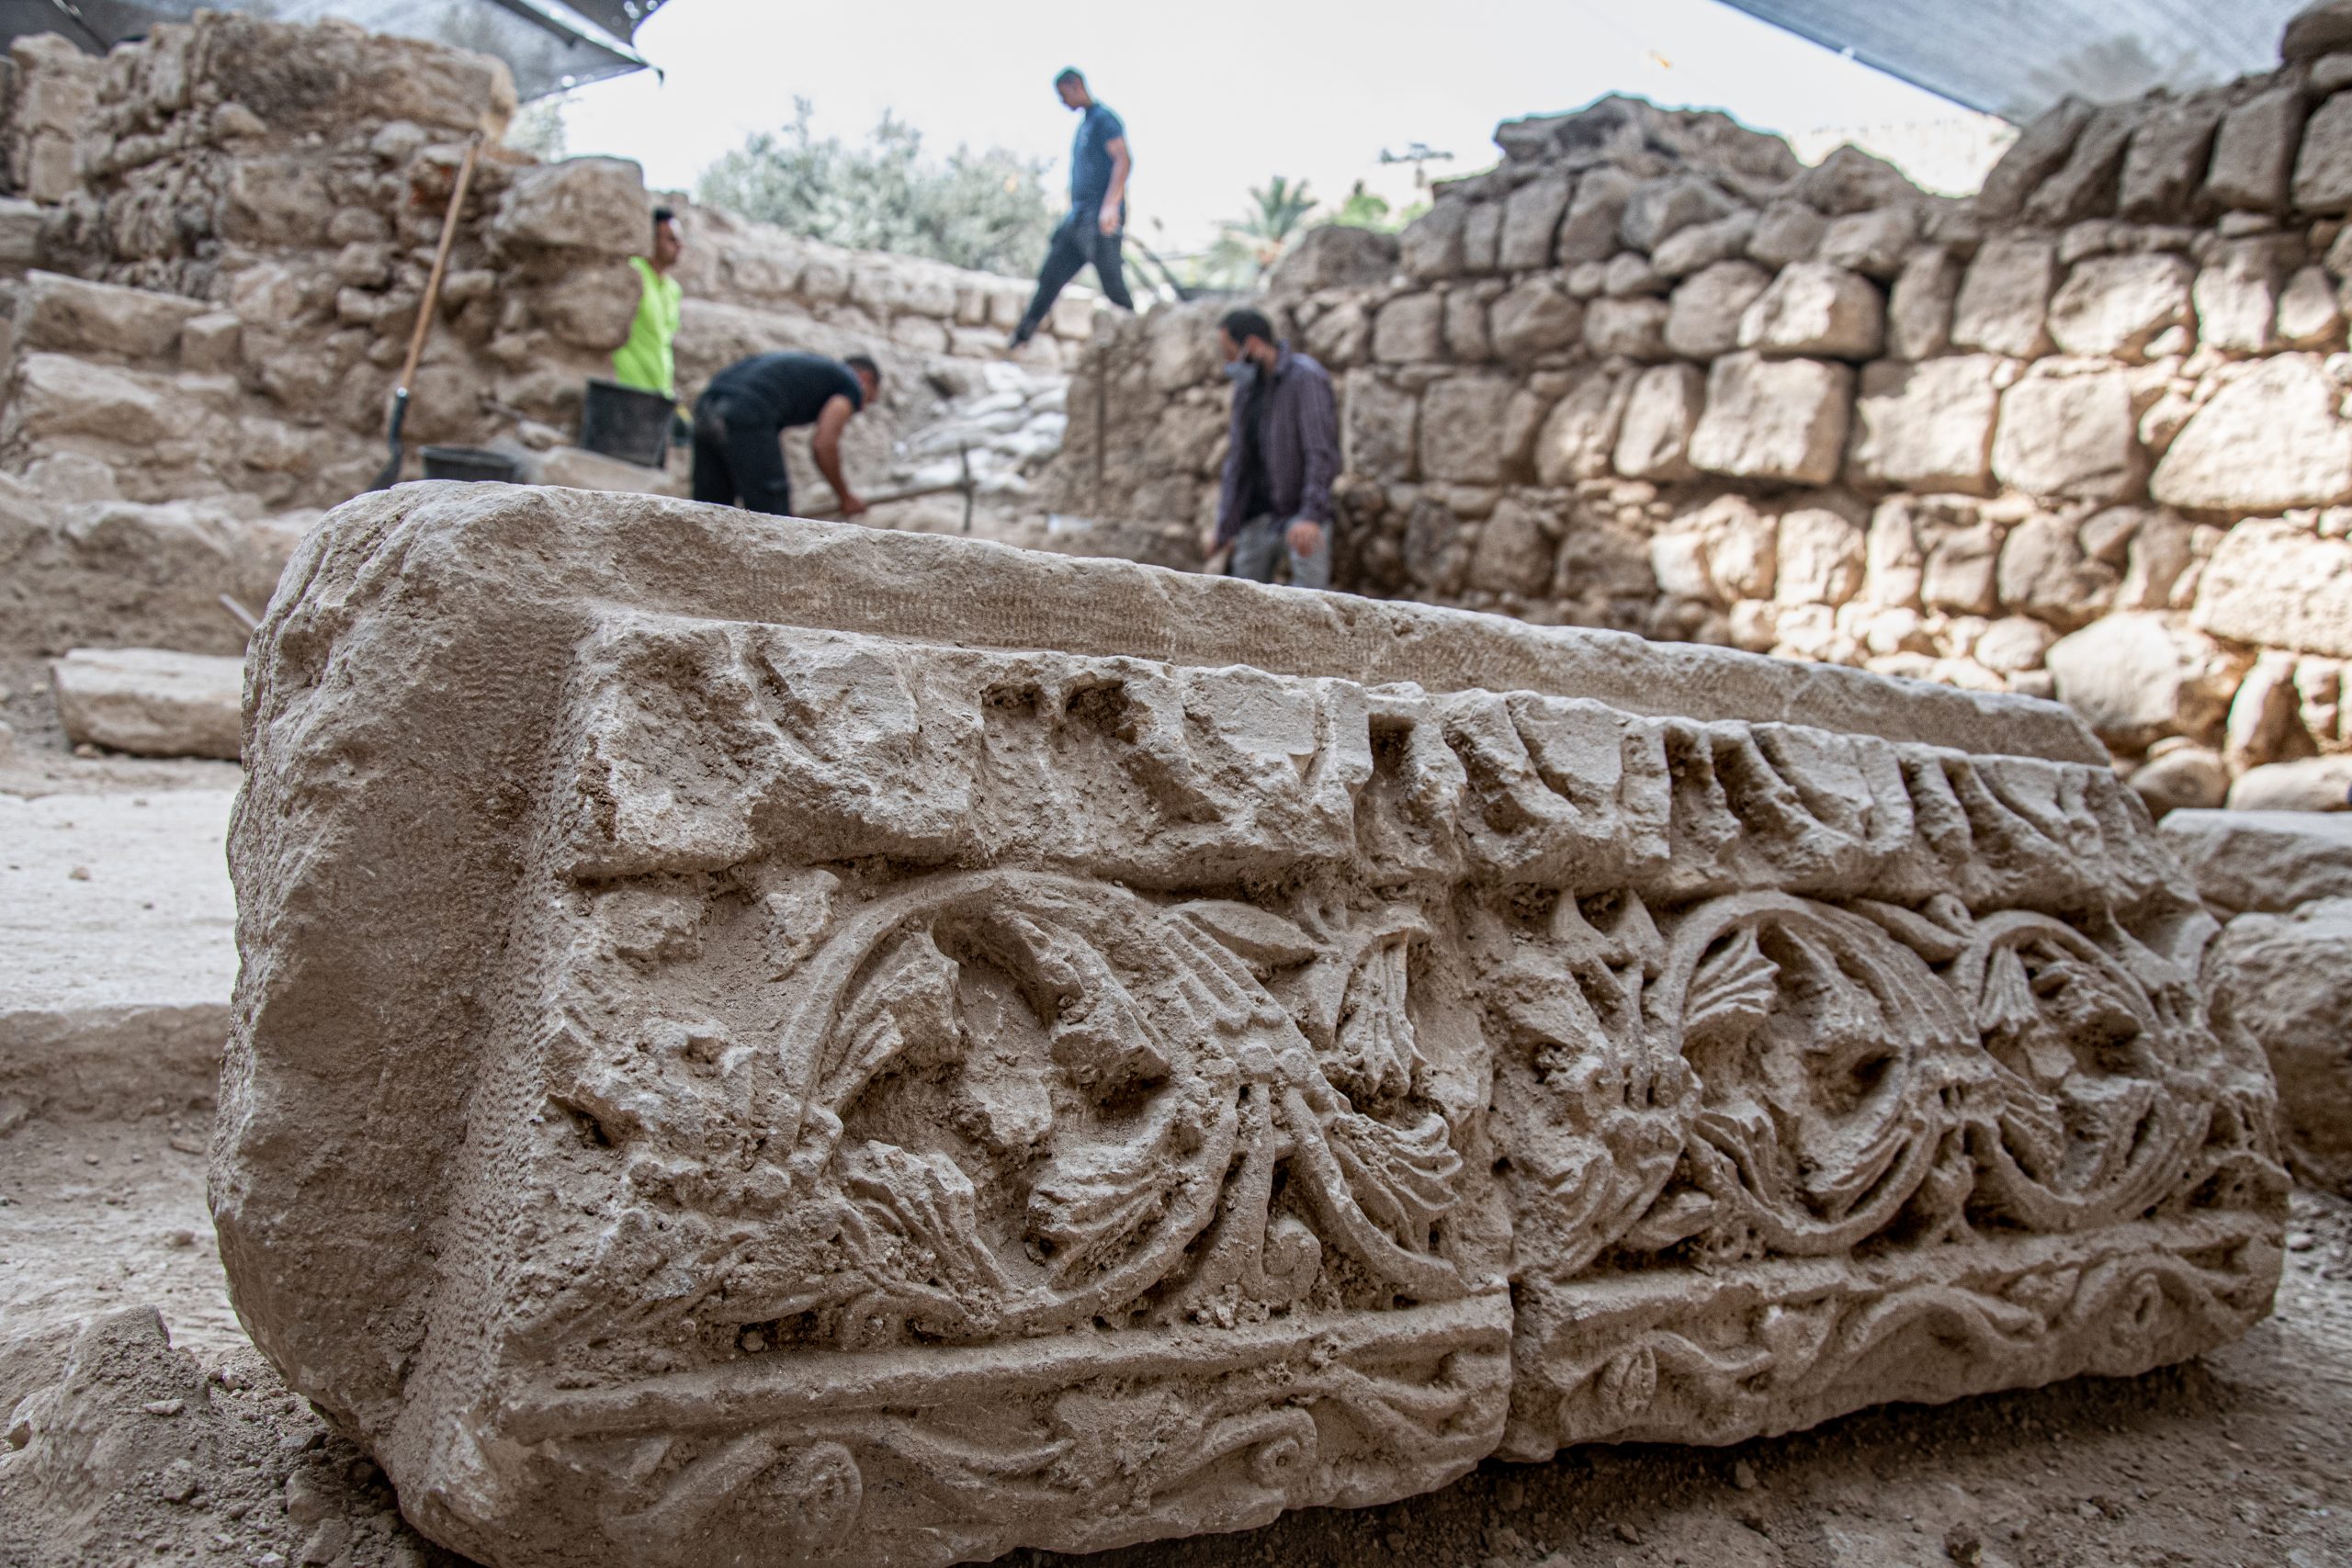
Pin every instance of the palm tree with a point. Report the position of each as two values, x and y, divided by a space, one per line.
1282 206
1278 211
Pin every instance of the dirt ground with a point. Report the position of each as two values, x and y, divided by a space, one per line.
189 1449
2238 1459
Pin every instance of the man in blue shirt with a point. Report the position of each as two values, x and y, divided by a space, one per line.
1099 163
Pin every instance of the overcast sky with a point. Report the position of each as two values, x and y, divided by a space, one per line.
1217 94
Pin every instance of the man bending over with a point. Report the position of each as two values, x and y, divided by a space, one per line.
749 405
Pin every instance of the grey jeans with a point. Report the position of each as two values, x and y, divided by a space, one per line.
1260 542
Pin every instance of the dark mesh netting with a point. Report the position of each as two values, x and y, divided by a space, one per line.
551 45
2016 58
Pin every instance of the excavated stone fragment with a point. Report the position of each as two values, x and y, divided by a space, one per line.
2272 437
1430 246
2287 980
2324 166
1462 420
1535 316
765 1043
2115 305
1929 425
1774 419
2255 151
2085 185
1409 328
1654 437
2004 297
153 702
1703 313
1918 310
2033 157
592 204
1818 309
2167 157
2269 861
2070 435
1634 328
1531 222
2272 582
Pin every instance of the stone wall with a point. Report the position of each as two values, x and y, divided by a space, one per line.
2082 434
213 255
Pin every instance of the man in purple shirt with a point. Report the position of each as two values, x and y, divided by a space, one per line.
1280 461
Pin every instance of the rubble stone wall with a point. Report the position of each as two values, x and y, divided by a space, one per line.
218 239
2081 435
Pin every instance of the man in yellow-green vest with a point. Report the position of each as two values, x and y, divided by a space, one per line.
646 360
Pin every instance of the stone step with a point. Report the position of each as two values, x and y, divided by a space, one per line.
2269 860
153 702
118 923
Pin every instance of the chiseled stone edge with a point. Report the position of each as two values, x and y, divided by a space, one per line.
726 564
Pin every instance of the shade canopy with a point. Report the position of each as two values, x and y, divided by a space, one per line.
2016 58
551 45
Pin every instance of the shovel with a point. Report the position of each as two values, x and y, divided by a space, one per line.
391 471
953 487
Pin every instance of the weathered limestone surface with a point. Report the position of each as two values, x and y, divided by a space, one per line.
2282 968
768 1043
137 877
2287 978
2264 861
151 701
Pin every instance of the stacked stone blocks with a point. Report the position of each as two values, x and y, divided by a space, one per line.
1694 390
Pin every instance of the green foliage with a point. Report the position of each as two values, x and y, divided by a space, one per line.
1364 209
1279 210
1253 242
985 210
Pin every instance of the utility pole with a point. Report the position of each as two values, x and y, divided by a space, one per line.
1419 154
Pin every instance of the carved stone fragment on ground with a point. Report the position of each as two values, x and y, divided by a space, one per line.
767 1043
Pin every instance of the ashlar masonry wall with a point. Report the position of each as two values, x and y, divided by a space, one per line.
2081 435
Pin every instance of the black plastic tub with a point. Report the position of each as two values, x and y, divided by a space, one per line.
475 463
626 422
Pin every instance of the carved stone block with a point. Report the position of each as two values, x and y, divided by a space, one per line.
769 1043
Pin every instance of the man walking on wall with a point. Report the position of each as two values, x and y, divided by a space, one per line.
1097 221
739 418
1280 459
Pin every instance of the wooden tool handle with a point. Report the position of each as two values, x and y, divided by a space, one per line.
440 263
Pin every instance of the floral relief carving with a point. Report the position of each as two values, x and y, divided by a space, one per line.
958 1098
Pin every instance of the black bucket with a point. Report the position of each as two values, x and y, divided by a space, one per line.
627 423
476 463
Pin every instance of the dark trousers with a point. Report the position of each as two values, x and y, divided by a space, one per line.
1079 243
739 458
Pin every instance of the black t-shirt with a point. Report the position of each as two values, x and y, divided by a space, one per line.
787 389
1257 489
